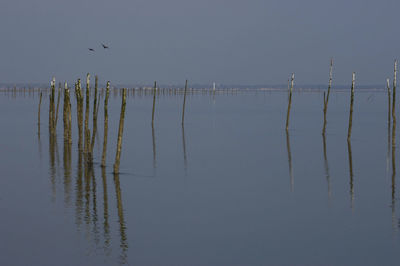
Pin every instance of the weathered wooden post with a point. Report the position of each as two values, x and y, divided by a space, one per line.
184 103
351 106
326 99
290 102
154 103
120 132
103 157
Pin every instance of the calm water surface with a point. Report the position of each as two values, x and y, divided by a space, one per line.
230 188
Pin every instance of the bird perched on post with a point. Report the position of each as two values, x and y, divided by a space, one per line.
104 46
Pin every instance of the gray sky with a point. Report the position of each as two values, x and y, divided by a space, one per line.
228 41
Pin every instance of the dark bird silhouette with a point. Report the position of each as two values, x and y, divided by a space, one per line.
91 49
104 46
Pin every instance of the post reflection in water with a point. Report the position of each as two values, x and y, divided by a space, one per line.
106 225
351 173
184 149
154 148
290 161
122 226
326 166
388 149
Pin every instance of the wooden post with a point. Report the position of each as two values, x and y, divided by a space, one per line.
351 107
326 99
184 103
394 90
290 102
79 113
103 157
95 108
395 75
87 130
58 105
51 106
389 100
154 103
120 132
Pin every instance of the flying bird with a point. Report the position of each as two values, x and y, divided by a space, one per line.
104 46
91 49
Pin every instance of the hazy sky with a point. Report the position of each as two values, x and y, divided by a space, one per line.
227 41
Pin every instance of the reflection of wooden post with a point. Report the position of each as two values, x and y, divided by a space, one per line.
184 149
120 132
351 173
122 226
327 97
326 164
154 103
290 102
289 161
351 107
184 103
107 238
154 148
103 157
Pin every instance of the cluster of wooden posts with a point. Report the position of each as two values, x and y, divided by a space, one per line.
326 99
86 136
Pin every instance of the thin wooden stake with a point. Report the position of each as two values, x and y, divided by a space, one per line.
290 102
184 103
87 107
120 132
394 89
95 108
395 75
103 157
154 103
389 99
351 107
326 99
58 105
